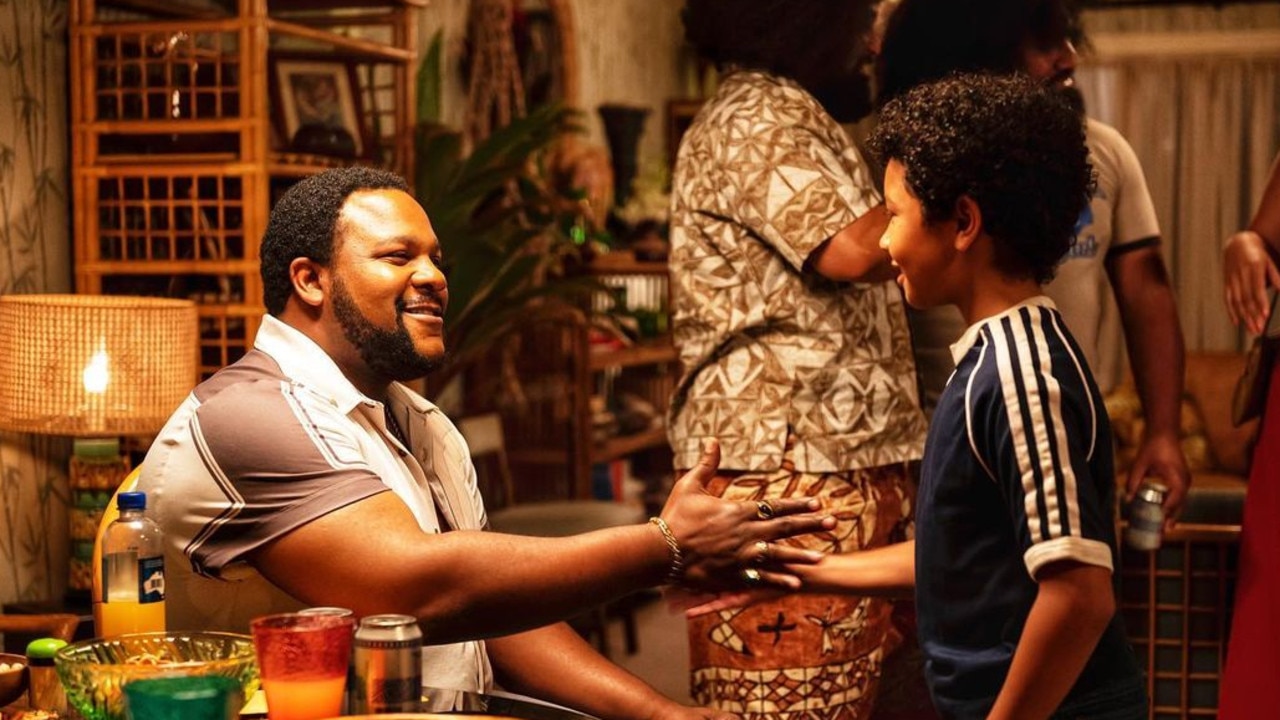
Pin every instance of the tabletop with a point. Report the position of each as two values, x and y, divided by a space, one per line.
441 701
435 701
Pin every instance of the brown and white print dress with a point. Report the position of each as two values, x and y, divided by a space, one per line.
808 384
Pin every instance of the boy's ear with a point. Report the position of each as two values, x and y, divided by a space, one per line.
306 276
968 222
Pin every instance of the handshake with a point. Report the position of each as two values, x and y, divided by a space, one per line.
725 545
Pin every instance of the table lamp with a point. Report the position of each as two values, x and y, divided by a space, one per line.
94 368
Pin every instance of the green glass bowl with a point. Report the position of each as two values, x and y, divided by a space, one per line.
94 672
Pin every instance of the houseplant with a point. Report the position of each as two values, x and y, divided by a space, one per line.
503 226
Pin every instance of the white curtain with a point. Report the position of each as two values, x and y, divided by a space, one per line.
1205 127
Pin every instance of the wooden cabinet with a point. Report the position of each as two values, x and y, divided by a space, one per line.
556 439
180 115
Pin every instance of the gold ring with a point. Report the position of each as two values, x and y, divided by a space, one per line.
763 556
751 576
764 511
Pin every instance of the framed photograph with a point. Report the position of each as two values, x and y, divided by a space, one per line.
318 94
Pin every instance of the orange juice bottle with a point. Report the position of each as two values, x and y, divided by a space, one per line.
132 571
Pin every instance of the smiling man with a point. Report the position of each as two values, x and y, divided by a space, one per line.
306 474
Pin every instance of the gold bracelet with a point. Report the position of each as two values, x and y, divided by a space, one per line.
677 557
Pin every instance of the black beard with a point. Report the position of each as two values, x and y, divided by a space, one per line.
1073 96
389 353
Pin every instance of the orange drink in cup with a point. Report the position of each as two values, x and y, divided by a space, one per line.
302 661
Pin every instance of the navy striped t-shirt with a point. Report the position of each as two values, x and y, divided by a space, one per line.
1017 474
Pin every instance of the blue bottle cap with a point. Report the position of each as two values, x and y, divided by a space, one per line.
131 501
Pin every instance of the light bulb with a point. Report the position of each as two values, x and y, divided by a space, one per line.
97 374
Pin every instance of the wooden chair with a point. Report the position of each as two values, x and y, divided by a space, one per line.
556 518
18 630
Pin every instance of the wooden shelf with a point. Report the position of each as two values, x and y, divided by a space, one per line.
361 49
639 354
624 263
299 165
165 8
626 444
168 267
312 5
178 206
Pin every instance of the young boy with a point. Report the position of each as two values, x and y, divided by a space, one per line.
1014 550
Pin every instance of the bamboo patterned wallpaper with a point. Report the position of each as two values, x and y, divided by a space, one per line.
35 256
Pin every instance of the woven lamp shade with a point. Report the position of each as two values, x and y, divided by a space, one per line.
94 365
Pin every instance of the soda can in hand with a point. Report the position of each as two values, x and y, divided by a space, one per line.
1146 517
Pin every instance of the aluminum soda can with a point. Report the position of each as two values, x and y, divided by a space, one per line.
1146 517
387 665
325 610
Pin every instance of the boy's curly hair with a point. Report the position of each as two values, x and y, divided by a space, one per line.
1016 148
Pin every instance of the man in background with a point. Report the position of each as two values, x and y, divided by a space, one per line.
1117 237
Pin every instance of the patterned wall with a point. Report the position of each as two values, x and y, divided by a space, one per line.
35 256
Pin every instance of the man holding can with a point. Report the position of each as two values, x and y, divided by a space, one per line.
306 474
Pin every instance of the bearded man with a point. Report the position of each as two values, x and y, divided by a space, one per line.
306 474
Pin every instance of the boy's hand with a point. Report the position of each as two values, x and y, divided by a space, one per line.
694 604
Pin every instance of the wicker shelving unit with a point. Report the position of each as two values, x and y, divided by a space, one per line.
177 148
553 443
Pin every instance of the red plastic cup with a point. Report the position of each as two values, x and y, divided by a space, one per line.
303 660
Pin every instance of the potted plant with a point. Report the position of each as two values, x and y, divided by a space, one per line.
505 230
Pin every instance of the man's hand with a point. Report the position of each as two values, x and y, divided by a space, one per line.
1156 353
731 544
1247 270
1161 458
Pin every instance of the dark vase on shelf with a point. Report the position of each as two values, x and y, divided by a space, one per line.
623 126
317 139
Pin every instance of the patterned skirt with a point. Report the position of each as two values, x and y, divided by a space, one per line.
807 656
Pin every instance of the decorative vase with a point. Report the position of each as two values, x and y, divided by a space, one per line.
318 139
623 126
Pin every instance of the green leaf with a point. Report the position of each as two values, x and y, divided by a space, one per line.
429 82
503 232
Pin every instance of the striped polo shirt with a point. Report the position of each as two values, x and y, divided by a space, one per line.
275 441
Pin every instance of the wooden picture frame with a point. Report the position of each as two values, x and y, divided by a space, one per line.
317 90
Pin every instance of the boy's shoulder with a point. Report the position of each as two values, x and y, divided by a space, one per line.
1006 358
1018 337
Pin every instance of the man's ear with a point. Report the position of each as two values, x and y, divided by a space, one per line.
968 222
309 281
